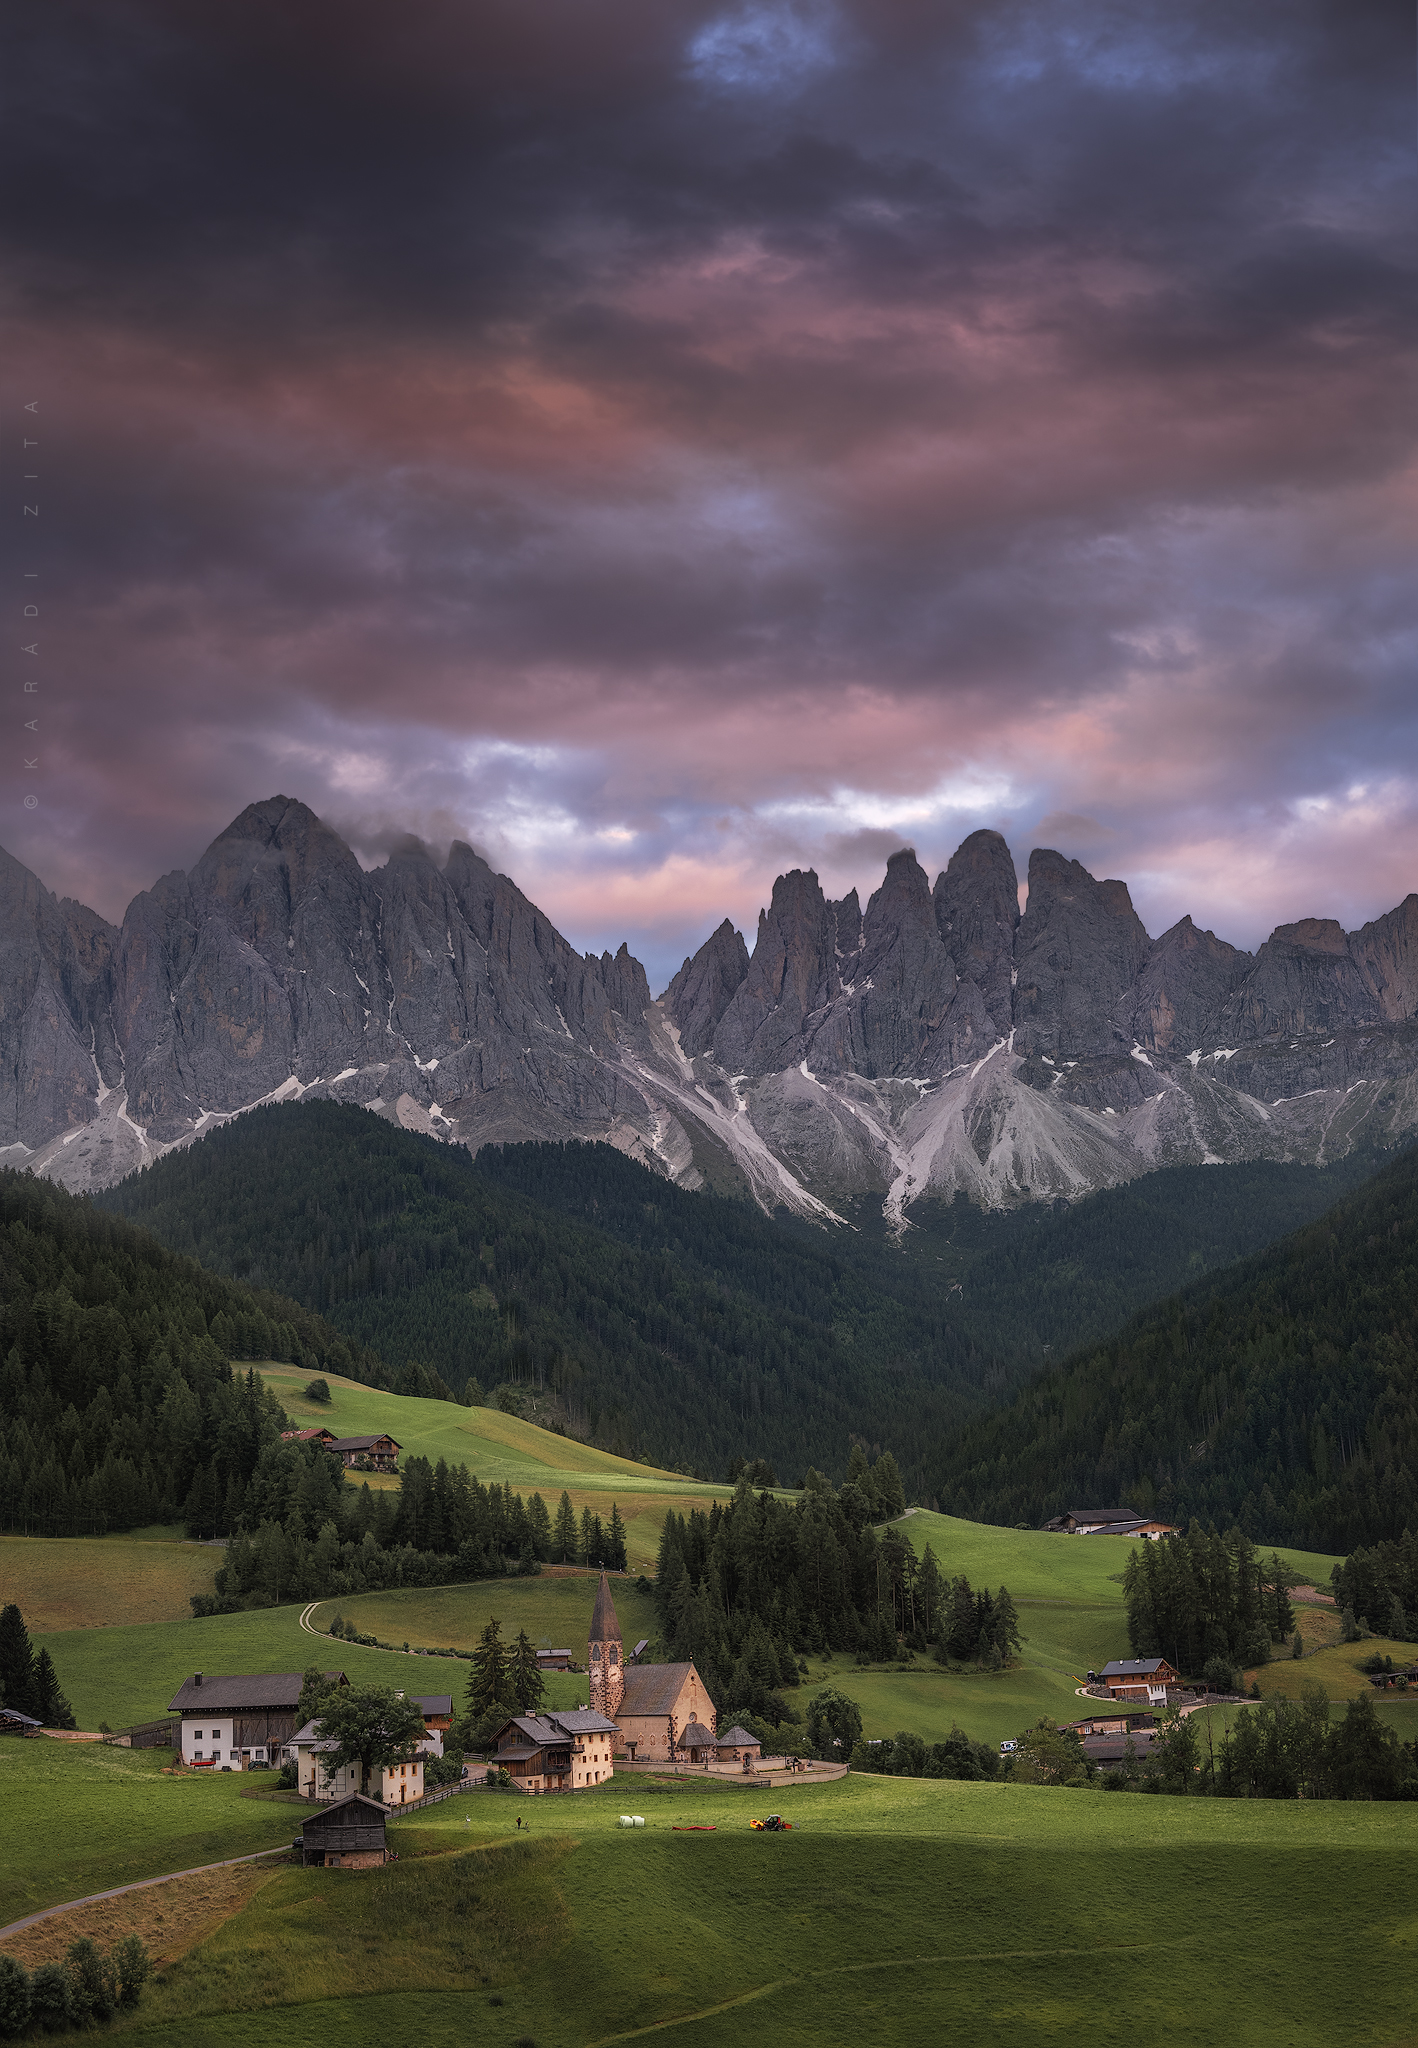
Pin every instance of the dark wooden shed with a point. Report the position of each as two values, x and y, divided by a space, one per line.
349 1835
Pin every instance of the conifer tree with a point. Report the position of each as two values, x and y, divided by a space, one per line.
17 1671
488 1680
615 1541
51 1706
524 1677
563 1542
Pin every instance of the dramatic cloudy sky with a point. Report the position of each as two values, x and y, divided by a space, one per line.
666 442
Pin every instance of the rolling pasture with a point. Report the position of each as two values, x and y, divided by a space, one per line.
896 1910
502 1449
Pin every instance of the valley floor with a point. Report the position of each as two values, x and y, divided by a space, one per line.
896 1911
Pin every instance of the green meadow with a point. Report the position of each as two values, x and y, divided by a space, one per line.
1067 1589
501 1448
896 1911
81 1817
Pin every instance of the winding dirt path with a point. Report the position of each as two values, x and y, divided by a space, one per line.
139 1885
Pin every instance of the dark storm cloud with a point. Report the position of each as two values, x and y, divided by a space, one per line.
671 442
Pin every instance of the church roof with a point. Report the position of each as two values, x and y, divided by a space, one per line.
604 1626
739 1738
651 1689
697 1736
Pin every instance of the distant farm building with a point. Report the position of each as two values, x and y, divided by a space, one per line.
1109 1522
366 1453
349 1835
1140 1678
13 1722
553 1660
232 1722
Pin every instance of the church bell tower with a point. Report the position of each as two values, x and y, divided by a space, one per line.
607 1655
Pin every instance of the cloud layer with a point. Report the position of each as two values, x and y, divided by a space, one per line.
667 443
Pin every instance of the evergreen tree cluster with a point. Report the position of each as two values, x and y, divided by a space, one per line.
29 1683
907 1755
1203 1600
1288 1749
746 1589
1379 1587
87 1989
115 1385
1281 1396
299 1532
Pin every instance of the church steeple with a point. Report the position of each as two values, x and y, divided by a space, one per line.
606 1662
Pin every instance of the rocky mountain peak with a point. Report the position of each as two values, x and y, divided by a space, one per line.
977 913
704 987
1079 949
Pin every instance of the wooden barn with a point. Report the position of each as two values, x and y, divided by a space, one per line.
346 1836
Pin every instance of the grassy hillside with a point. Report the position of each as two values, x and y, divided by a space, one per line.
1067 1589
64 1582
894 1911
1282 1395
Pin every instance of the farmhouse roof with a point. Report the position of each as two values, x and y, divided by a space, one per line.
604 1626
433 1702
362 1443
300 1436
14 1714
641 1647
228 1694
651 1689
1104 1515
582 1721
326 1816
552 1653
1134 1667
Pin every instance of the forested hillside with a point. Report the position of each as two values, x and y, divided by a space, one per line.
690 1332
1281 1396
115 1386
1016 1284
687 1328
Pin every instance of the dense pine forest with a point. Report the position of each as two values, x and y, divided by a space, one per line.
688 1329
685 1329
116 1389
1280 1396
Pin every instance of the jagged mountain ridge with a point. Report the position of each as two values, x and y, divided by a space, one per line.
936 1043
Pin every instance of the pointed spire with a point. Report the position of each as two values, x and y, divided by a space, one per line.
604 1626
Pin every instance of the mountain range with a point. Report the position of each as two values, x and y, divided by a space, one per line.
937 1043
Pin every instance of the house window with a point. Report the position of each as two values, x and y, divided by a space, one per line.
196 1756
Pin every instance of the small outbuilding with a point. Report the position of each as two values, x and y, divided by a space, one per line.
346 1836
697 1741
553 1660
739 1746
13 1722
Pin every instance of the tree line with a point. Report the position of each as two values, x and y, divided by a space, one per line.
745 1590
116 1386
298 1530
1277 1396
1209 1604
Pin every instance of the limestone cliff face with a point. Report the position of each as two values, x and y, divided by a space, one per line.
936 1043
1079 950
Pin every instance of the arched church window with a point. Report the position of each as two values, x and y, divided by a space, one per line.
595 1653
613 1654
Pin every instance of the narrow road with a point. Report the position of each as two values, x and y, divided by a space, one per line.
141 1885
